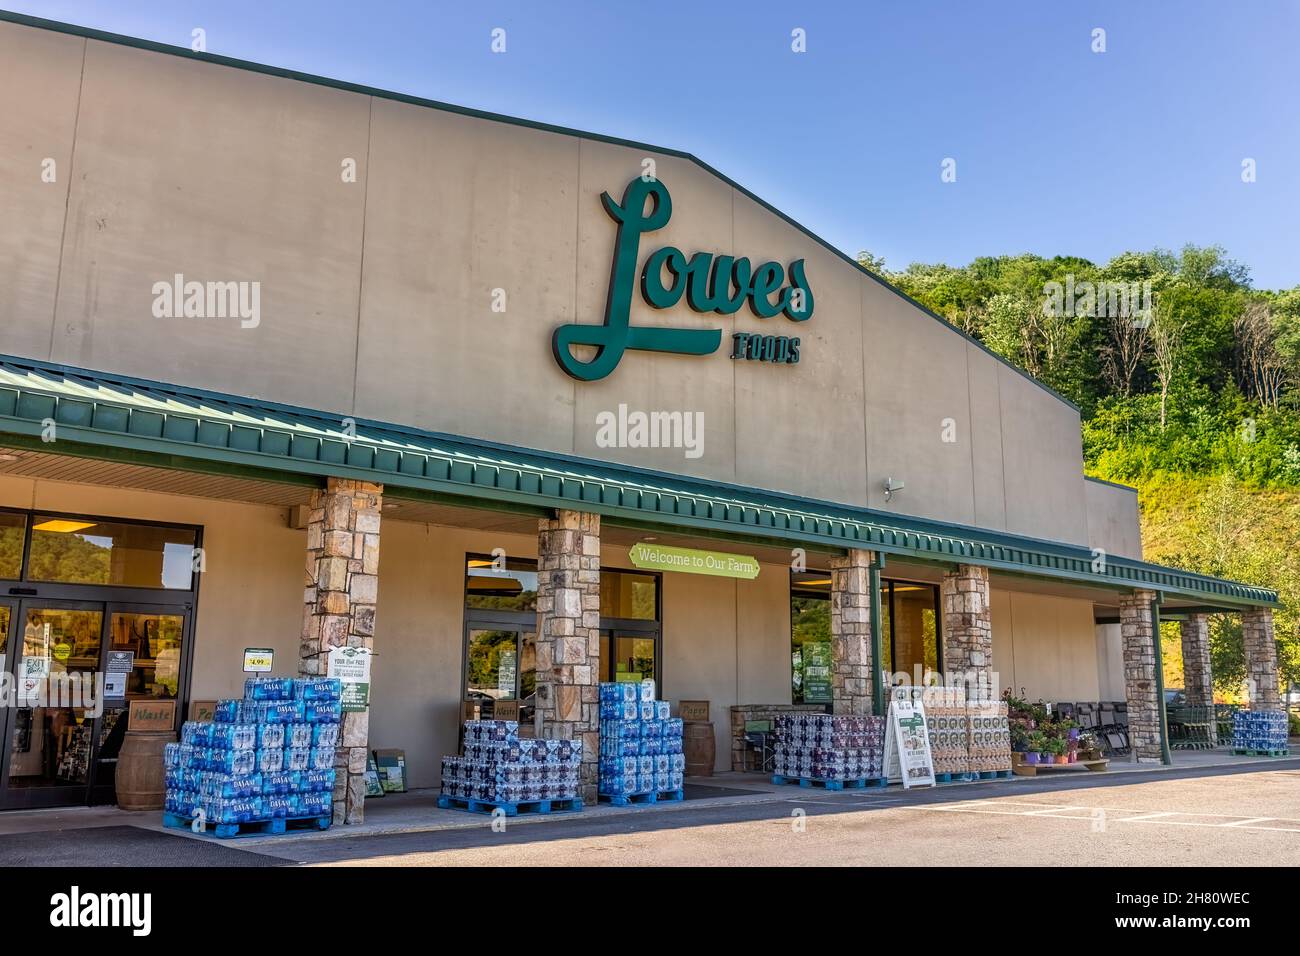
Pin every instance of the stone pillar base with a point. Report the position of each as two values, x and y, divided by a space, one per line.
568 635
340 596
1260 648
1137 630
851 633
968 631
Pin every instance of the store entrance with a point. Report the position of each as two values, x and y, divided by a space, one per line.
65 706
500 671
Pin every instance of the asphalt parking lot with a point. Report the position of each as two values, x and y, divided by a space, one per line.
1219 818
1231 815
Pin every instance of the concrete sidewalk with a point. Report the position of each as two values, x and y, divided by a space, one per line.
417 811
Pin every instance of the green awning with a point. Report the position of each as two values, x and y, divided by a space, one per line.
112 417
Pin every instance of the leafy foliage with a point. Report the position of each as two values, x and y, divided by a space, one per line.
1188 379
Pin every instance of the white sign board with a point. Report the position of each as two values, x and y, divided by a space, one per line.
351 665
907 745
118 672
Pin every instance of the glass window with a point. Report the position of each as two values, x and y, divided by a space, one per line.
6 613
810 637
915 637
627 594
500 583
89 551
491 665
12 531
908 629
155 640
633 656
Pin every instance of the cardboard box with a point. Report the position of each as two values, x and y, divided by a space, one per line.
202 709
693 710
392 770
152 715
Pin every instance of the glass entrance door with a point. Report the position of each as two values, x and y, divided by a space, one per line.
629 655
74 667
500 672
55 655
143 661
8 617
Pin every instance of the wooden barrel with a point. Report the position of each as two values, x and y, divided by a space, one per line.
700 747
141 784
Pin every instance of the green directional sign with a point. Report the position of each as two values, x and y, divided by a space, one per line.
658 557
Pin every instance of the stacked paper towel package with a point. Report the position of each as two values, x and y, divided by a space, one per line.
966 736
989 738
1259 730
268 755
829 747
640 743
498 766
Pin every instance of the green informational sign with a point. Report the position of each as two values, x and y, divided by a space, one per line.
658 557
817 672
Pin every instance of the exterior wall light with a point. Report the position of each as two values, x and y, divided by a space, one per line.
891 486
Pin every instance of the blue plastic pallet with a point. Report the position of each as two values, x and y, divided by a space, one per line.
1250 752
566 805
952 778
651 796
994 775
227 831
860 783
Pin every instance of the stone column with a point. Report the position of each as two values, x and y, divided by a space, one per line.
851 633
342 586
968 631
1261 658
1137 631
568 635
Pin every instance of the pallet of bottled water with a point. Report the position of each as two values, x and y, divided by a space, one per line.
1261 733
641 755
500 771
263 764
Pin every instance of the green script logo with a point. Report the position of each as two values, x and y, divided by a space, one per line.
720 284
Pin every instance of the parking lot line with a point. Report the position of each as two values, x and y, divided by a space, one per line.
1116 815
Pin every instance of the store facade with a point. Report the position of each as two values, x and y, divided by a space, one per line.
461 368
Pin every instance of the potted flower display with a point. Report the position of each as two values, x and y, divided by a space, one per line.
1034 747
1057 747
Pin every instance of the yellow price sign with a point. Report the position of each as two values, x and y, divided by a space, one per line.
258 660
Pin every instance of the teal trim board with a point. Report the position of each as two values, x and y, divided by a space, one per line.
234 63
115 417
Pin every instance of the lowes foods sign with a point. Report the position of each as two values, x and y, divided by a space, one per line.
708 283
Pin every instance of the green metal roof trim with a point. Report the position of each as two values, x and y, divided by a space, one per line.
235 63
166 424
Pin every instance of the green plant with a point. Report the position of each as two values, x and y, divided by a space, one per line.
1019 737
1056 746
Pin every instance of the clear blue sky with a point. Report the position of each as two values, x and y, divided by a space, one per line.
1059 150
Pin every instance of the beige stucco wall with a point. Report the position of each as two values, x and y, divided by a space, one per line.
1045 646
377 295
1113 524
